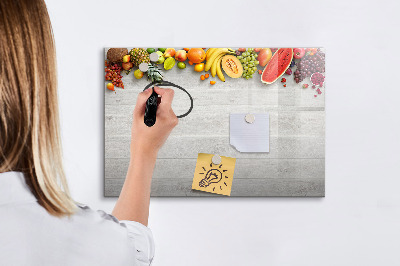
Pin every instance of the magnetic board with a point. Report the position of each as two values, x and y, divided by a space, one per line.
294 165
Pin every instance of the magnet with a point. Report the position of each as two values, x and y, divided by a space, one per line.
144 67
216 159
154 57
250 118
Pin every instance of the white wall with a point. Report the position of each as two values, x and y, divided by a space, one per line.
357 223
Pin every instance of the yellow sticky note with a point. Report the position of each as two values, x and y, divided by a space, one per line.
213 178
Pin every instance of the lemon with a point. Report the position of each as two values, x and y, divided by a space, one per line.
169 63
199 67
138 74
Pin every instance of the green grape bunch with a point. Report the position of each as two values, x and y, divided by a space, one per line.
249 63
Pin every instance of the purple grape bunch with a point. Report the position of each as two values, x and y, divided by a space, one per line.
309 65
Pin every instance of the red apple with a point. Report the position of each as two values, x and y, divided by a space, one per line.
298 53
127 66
181 55
126 58
170 52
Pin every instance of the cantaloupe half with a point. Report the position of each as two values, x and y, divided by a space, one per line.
232 66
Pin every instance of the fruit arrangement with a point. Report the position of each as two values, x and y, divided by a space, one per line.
309 64
300 64
213 61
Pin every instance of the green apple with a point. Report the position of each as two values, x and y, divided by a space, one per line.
161 57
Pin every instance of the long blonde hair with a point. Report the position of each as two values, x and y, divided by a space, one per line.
29 122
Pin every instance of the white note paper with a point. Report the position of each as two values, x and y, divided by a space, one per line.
249 137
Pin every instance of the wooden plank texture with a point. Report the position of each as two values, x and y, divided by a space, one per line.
189 146
245 168
272 187
295 165
214 120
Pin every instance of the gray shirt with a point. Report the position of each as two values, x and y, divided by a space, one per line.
31 236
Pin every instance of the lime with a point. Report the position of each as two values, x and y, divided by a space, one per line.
151 50
169 63
138 74
162 49
181 65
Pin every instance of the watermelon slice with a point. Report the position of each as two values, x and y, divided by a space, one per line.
277 66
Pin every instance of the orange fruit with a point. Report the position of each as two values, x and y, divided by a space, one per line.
207 76
212 82
202 77
190 63
196 55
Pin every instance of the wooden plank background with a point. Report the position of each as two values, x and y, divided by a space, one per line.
295 165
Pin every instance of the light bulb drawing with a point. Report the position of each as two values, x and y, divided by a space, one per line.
213 176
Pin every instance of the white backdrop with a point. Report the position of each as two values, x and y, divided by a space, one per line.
358 221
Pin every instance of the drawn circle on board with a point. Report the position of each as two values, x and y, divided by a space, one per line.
250 118
216 159
170 84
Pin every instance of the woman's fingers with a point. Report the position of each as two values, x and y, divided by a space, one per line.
164 110
141 102
167 96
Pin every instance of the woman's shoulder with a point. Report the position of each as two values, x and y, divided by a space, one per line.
90 237
134 234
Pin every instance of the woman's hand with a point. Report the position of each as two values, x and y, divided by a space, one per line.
134 200
146 139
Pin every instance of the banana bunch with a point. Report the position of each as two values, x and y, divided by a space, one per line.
213 61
